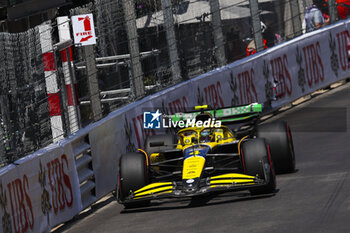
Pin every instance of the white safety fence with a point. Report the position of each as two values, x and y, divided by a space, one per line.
54 184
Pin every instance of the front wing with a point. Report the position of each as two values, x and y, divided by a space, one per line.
226 182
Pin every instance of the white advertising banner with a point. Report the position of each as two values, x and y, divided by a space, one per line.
10 185
312 62
40 192
236 84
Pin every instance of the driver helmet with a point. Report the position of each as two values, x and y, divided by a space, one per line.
204 116
205 136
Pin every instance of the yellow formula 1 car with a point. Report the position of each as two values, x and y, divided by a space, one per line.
208 157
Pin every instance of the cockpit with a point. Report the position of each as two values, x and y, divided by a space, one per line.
204 135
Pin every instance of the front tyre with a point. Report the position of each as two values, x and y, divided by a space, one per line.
256 161
279 137
133 175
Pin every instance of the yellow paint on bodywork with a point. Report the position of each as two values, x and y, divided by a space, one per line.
196 152
156 157
232 176
140 196
231 181
227 180
153 186
228 185
220 136
192 167
166 189
201 107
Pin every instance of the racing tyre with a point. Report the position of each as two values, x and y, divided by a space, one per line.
255 156
279 137
133 175
158 143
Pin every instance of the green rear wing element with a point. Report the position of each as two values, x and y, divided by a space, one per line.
230 114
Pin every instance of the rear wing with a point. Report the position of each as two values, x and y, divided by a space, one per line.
225 115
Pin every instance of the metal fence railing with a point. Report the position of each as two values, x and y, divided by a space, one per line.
176 39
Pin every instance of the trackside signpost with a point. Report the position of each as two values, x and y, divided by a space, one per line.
84 30
84 35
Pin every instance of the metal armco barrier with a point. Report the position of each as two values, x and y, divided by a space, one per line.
61 180
83 161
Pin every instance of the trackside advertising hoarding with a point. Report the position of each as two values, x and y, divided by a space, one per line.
275 77
280 74
39 192
42 190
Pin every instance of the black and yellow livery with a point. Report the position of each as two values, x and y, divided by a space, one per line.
241 154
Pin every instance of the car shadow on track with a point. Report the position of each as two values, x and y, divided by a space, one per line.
87 212
199 201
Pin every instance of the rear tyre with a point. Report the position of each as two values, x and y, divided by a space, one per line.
133 175
159 143
255 156
279 137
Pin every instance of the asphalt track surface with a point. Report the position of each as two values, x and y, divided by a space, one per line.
316 198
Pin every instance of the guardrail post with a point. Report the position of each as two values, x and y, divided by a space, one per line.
171 39
66 55
332 10
217 32
255 16
295 11
73 89
7 145
94 90
136 82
